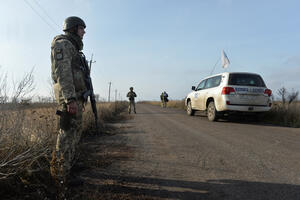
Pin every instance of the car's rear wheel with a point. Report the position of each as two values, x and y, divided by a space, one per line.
189 109
212 113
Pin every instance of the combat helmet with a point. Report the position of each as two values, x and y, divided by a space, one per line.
131 88
72 22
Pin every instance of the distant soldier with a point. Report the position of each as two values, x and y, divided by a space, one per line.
164 99
131 95
69 86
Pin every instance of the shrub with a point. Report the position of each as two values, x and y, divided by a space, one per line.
284 115
27 138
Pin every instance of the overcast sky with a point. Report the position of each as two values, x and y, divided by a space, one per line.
156 45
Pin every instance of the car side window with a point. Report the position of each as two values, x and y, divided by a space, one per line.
213 82
217 81
201 85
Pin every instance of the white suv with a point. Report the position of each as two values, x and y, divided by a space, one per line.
229 92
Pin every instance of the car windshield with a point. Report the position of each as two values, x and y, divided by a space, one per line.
246 80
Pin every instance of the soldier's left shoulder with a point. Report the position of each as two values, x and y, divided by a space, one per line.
63 49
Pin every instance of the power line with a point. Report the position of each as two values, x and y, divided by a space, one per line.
40 16
46 13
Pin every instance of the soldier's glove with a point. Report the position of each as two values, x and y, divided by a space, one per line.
72 108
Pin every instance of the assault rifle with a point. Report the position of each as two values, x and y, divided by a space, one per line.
90 91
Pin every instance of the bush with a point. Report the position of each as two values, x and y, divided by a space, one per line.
26 136
27 139
284 115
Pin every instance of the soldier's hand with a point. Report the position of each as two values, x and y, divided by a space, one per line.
72 108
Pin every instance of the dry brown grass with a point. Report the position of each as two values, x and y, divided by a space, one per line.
284 115
107 112
27 138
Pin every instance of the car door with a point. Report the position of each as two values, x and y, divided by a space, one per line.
198 97
209 90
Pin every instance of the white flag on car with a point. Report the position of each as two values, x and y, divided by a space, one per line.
225 60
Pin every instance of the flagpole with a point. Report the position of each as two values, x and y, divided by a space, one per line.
214 66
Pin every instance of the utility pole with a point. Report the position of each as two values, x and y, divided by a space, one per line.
91 62
109 91
116 93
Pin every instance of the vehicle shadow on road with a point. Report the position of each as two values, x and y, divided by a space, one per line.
239 119
130 187
247 119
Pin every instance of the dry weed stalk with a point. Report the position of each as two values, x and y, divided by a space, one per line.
24 87
26 136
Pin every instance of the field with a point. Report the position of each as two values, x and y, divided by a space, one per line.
27 139
282 115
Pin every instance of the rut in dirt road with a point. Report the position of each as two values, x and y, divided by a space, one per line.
165 154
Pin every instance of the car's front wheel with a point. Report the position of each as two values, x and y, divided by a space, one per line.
212 113
189 109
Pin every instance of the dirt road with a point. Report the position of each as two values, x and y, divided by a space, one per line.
165 154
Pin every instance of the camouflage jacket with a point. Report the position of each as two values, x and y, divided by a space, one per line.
164 96
131 95
67 72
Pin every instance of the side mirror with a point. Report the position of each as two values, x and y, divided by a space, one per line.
193 88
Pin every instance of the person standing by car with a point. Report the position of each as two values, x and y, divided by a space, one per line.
131 95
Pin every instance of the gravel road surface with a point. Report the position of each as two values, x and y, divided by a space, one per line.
165 154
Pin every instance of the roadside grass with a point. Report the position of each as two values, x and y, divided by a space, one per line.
282 115
27 139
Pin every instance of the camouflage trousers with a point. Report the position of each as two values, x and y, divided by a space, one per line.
163 104
67 141
131 104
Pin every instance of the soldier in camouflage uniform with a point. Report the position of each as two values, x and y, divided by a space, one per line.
69 85
131 95
164 99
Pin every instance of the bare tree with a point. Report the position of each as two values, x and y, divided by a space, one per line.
50 87
282 92
24 87
3 88
293 96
